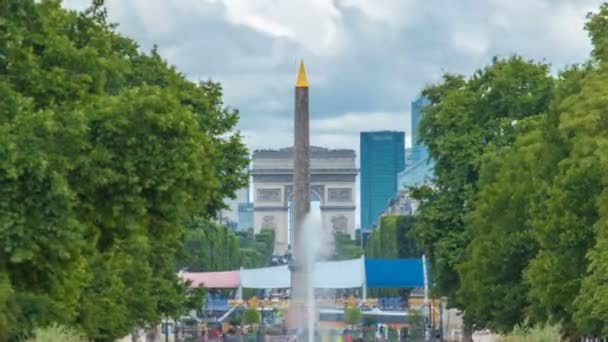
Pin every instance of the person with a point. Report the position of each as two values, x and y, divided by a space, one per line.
216 335
346 335
232 337
382 334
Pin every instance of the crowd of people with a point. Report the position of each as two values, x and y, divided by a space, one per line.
367 334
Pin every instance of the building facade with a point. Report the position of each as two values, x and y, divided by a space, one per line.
229 217
382 159
419 150
419 167
245 216
333 178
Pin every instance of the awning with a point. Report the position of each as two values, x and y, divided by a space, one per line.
339 274
212 280
385 273
277 277
394 273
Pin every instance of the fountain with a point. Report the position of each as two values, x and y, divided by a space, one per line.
313 243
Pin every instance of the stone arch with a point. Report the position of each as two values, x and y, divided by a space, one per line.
317 194
332 181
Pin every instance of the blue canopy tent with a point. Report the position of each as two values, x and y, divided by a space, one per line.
394 273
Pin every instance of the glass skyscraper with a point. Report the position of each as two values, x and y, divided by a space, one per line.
419 169
382 159
245 216
419 151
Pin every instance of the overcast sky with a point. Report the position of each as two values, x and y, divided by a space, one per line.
366 59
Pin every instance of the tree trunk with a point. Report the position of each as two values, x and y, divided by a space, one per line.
135 335
151 334
467 332
569 334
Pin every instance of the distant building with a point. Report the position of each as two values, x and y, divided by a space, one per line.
230 216
401 204
419 151
419 168
382 158
333 175
245 216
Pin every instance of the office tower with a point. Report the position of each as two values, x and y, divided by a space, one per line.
419 168
382 159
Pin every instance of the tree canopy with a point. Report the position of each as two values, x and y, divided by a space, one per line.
515 220
392 239
105 154
212 247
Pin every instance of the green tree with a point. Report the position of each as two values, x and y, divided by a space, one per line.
352 316
392 238
251 316
513 189
492 292
416 320
210 247
105 153
8 324
55 333
345 248
573 212
584 122
537 213
466 119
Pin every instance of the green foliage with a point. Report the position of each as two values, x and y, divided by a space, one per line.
392 238
597 27
56 333
516 222
345 247
393 335
263 244
535 334
8 312
508 202
465 119
105 153
415 317
212 247
251 316
352 316
567 232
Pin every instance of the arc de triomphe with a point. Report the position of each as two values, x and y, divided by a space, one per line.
333 183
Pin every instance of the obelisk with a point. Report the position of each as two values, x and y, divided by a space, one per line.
301 200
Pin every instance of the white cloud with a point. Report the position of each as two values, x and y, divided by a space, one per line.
332 132
356 122
470 42
393 12
366 59
312 23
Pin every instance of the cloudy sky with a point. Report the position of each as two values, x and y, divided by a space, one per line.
366 59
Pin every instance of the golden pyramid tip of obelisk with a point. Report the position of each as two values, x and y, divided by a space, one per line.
301 81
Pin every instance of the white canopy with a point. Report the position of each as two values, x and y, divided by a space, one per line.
277 277
339 274
327 275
